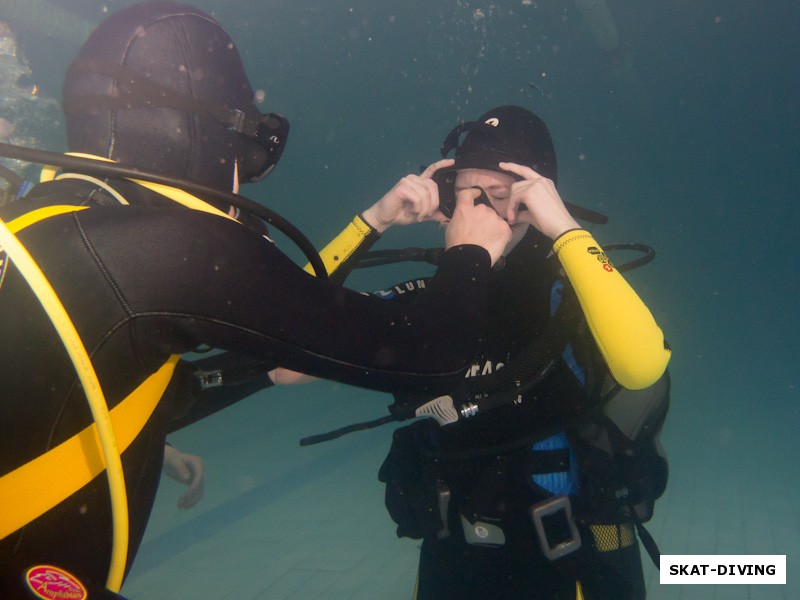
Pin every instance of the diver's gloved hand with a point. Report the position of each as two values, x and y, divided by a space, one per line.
477 224
413 199
546 210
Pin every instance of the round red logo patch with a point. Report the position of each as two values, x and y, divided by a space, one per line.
52 583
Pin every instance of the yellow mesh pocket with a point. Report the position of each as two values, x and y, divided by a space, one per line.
613 537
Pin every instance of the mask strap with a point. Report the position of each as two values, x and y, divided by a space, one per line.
136 91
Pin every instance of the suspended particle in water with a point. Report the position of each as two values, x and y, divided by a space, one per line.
259 96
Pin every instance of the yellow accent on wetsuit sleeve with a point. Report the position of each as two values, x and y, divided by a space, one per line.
625 331
336 253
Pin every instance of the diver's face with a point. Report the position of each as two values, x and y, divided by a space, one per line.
497 186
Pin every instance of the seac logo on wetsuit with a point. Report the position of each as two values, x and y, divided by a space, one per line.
51 583
487 368
601 256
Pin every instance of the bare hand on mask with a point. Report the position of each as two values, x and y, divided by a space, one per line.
546 211
413 199
479 225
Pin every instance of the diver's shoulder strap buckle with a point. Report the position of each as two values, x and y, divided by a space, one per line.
237 121
558 535
209 379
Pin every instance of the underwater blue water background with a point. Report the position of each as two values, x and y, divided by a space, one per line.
687 136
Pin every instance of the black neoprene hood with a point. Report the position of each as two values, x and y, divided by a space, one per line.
178 47
503 134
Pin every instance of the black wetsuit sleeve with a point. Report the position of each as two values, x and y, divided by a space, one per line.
185 278
205 386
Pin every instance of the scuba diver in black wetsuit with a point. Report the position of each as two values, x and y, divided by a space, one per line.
545 459
106 280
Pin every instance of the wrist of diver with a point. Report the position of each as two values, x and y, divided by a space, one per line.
370 217
557 240
555 231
